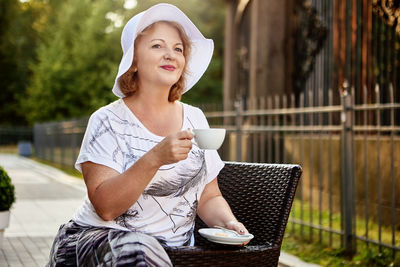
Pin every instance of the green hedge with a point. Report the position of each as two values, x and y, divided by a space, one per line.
7 191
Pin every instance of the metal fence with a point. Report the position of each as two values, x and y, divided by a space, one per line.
11 135
59 142
361 46
350 188
350 156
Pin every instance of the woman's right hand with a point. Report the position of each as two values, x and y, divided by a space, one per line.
173 148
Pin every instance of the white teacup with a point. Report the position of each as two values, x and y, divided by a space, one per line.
211 138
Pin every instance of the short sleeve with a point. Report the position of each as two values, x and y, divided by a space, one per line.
100 144
214 164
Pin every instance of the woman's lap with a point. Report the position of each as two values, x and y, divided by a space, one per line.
75 245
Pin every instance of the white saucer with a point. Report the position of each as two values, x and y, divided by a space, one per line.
222 236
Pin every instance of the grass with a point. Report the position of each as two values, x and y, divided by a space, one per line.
321 253
67 170
9 149
325 249
13 149
373 227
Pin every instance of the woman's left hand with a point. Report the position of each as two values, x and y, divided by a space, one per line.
238 227
215 211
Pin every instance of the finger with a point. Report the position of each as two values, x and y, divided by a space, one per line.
183 149
187 134
191 132
186 144
182 146
237 226
240 229
182 155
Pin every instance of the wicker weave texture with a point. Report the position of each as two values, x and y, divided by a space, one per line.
224 256
261 197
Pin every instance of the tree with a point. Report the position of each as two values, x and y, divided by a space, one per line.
209 16
8 64
78 57
76 62
18 37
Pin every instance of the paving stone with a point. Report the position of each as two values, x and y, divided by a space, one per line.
16 264
3 261
25 251
31 247
10 254
44 202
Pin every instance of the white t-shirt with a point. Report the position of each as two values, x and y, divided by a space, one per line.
166 209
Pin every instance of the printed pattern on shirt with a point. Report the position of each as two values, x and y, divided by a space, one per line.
168 206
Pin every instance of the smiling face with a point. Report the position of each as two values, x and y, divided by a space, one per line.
159 56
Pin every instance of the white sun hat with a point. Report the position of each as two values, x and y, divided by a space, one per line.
201 48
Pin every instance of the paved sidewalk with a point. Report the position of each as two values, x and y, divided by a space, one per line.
47 198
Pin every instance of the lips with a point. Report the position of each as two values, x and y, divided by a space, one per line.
168 67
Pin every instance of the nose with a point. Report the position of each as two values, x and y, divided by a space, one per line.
169 55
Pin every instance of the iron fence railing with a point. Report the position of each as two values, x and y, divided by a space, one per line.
59 142
349 189
11 135
348 156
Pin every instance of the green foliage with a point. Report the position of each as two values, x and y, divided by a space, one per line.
76 64
209 88
320 253
311 245
7 194
7 61
58 59
19 25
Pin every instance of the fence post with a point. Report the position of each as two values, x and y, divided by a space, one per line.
347 176
239 122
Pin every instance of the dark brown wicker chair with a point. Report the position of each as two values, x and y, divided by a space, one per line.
261 197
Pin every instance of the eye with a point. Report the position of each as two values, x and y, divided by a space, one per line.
156 46
178 49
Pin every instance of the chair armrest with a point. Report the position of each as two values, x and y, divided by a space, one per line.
220 255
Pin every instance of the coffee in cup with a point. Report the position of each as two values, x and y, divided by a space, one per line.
211 138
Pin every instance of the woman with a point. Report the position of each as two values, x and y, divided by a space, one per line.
146 180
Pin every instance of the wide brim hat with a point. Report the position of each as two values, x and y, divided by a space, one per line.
201 47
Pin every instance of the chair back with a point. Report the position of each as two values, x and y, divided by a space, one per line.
260 195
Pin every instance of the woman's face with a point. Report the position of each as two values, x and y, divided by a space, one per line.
159 56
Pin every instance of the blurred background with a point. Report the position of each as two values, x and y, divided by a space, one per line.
59 58
312 82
